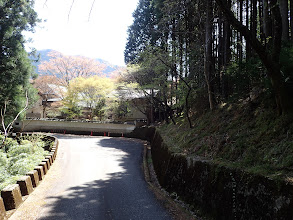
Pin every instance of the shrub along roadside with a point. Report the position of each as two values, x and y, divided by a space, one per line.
18 157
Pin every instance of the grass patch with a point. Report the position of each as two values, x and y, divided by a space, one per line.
17 157
245 135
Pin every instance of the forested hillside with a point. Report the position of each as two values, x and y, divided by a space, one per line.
216 50
223 68
43 55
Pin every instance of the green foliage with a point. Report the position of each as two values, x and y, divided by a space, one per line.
121 109
165 44
286 60
242 77
32 96
15 66
8 143
71 110
100 109
3 164
17 159
169 41
248 136
70 107
87 92
140 33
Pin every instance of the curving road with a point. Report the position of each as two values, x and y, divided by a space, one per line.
94 178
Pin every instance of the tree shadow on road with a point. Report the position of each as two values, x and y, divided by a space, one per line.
122 195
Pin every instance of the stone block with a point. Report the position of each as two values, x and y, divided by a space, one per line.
52 154
2 210
11 196
50 159
54 150
25 184
47 161
34 177
45 168
40 171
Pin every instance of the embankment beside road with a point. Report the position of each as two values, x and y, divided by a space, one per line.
219 192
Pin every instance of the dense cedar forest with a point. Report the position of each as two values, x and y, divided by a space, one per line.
190 56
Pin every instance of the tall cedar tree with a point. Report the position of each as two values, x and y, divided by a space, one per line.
15 66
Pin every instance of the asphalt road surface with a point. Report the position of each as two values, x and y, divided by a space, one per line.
94 178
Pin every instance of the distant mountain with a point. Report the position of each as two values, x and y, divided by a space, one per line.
43 56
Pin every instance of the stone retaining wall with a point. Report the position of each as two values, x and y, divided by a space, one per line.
219 192
12 195
73 127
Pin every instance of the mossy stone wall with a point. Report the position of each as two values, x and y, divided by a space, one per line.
218 191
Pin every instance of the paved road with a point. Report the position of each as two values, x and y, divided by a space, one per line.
94 178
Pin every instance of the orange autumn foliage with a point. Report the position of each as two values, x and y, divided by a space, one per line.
66 68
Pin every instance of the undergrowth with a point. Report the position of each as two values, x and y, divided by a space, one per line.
17 157
246 135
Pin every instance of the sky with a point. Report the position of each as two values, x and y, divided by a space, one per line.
102 35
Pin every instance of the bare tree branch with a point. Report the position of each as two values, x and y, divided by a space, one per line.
3 111
24 109
45 3
91 9
94 1
70 9
7 128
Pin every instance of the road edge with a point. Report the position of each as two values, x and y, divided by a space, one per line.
175 208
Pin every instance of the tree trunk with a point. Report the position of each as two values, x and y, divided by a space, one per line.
253 19
285 22
226 55
291 20
269 56
261 21
45 104
239 35
227 42
208 52
267 21
187 107
248 46
221 42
